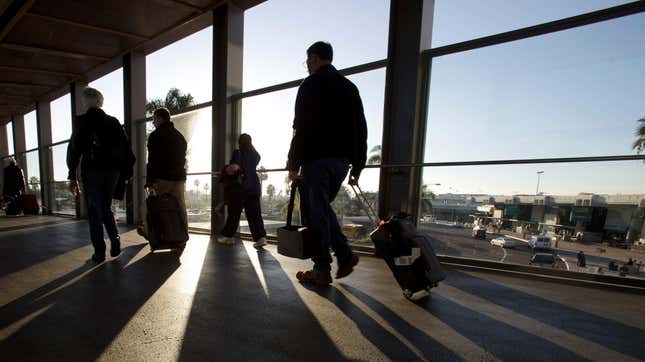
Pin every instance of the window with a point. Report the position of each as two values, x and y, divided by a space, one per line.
460 20
59 156
9 130
111 86
277 34
566 94
31 131
185 65
32 174
61 118
64 201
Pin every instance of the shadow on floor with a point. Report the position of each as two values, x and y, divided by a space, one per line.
233 318
606 332
80 320
53 239
430 348
31 225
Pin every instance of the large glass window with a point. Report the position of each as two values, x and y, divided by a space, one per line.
31 131
460 20
111 86
59 155
32 174
566 94
185 65
61 118
277 34
9 130
598 208
64 201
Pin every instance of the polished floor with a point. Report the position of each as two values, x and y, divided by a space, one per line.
223 303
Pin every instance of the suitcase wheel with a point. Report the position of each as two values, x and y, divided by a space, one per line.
407 294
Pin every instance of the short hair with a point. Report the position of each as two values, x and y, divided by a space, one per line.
162 113
92 97
244 141
322 49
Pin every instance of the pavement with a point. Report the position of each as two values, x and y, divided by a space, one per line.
232 303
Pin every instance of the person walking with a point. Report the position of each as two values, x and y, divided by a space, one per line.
101 147
166 168
330 133
582 260
243 192
13 186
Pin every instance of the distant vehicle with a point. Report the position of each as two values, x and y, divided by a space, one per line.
504 242
540 242
543 259
479 232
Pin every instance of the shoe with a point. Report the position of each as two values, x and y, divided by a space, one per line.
347 267
226 240
115 248
260 243
319 279
98 258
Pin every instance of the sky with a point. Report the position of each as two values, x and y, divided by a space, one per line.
572 93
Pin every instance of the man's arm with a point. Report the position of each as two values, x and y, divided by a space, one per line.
360 135
74 151
152 159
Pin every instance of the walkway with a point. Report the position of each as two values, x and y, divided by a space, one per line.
233 304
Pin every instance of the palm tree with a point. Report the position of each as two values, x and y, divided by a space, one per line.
375 155
175 101
639 145
262 175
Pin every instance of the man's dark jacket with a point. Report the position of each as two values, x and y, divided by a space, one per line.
329 121
14 181
114 153
166 154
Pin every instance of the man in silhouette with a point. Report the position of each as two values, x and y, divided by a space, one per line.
100 145
13 186
330 133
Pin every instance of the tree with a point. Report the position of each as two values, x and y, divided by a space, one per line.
342 204
262 175
196 183
270 191
207 188
639 144
375 155
175 101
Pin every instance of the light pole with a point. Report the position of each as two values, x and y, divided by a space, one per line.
537 189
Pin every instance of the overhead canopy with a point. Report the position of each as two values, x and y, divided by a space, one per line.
46 44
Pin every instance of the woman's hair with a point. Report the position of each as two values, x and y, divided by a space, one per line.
245 142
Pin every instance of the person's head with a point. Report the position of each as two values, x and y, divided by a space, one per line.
12 162
245 142
160 116
318 54
92 98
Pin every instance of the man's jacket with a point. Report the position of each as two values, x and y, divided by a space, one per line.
166 154
329 121
14 181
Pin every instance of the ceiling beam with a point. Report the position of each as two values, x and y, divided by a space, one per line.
12 15
25 85
184 5
87 26
53 52
40 71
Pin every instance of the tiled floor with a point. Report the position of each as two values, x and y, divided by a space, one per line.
213 302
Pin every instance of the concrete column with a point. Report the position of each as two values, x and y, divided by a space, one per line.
75 91
406 94
228 36
134 93
19 144
44 125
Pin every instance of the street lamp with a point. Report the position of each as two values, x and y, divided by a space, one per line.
537 189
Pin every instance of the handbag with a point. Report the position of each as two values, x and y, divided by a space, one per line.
295 241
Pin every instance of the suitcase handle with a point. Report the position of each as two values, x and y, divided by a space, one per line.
292 200
367 207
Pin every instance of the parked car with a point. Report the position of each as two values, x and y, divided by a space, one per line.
479 232
540 242
543 259
504 242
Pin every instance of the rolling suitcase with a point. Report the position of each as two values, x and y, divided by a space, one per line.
166 229
409 254
29 204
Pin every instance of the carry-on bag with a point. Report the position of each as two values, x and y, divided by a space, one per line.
29 204
12 205
166 228
408 253
294 240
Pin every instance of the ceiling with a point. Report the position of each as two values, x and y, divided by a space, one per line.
47 44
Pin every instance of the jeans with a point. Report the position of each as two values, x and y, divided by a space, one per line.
322 181
238 199
98 187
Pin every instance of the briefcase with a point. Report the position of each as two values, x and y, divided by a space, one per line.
295 240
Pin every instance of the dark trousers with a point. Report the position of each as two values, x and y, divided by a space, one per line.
98 186
238 199
321 183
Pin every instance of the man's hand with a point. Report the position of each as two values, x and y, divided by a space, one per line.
353 180
293 176
73 187
150 185
232 169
